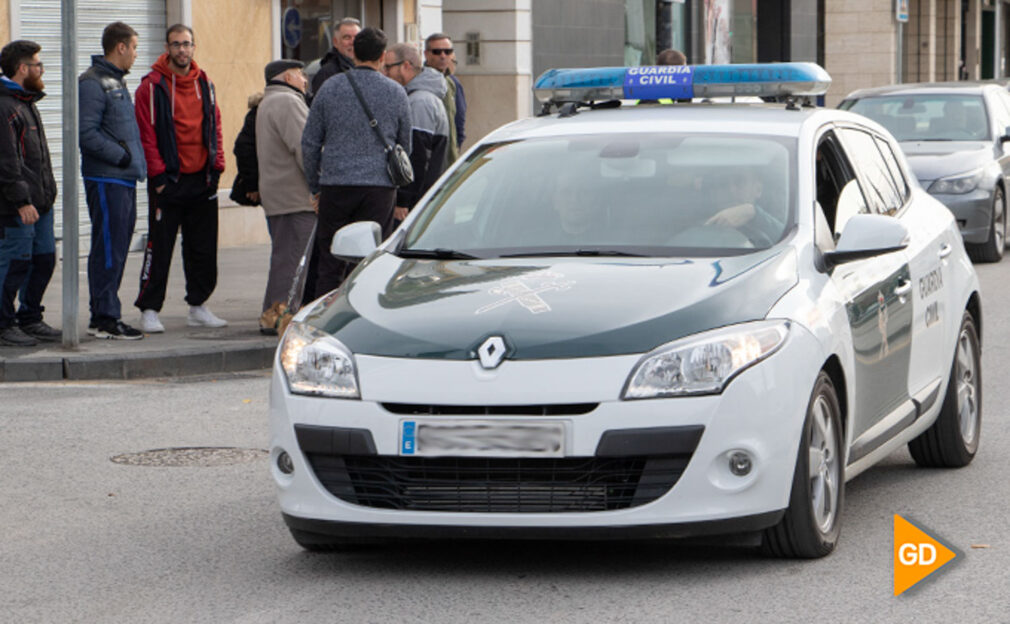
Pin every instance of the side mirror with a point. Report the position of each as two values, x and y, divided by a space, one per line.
356 240
866 236
1006 135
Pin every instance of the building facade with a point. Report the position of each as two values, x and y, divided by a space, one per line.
502 45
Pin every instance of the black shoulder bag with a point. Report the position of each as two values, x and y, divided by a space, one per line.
397 160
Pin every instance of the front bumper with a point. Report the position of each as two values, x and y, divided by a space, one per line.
761 412
973 212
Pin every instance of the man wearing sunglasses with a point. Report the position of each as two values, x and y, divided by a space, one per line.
439 53
27 193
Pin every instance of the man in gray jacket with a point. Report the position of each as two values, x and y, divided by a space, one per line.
345 162
284 193
430 123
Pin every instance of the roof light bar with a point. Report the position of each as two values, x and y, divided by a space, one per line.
681 82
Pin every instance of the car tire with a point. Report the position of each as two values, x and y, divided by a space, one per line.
952 441
318 542
992 249
811 524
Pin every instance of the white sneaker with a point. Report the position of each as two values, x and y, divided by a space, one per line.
201 316
149 322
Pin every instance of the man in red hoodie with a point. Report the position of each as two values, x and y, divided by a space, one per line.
180 128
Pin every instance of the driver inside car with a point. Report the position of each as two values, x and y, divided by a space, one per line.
745 212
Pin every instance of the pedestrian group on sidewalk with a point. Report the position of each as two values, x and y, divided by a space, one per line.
310 158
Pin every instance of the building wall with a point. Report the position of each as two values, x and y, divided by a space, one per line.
860 41
577 33
498 88
5 21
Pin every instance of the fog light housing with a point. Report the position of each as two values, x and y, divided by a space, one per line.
740 463
284 463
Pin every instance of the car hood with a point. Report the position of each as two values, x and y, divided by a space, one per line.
546 308
931 160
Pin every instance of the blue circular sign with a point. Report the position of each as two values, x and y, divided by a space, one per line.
292 27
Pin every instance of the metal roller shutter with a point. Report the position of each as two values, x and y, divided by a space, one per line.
40 22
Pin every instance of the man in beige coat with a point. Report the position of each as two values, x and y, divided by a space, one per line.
284 193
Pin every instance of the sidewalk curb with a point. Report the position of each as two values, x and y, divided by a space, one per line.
187 361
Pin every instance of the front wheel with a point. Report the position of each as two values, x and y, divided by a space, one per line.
811 524
992 249
952 441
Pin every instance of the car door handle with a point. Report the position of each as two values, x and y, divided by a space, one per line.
903 288
945 250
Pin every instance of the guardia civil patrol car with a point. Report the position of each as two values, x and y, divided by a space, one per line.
631 319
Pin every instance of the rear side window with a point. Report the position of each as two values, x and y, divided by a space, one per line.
879 187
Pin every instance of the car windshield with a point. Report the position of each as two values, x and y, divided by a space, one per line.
628 194
931 117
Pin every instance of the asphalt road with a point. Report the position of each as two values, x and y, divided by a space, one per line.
86 539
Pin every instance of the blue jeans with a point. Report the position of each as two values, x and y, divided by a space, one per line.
27 260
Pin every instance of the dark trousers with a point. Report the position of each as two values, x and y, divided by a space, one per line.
27 260
338 206
113 209
191 206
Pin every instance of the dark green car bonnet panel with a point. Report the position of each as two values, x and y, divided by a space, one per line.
547 307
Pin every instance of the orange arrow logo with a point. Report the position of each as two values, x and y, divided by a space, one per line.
916 554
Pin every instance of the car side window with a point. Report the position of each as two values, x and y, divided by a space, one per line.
897 175
1003 117
838 194
879 187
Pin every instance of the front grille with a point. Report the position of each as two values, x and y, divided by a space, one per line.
550 409
498 485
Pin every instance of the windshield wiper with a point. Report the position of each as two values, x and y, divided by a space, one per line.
577 252
437 254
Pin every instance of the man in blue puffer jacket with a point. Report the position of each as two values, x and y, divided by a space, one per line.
112 161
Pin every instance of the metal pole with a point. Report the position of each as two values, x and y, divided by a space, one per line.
71 238
900 73
997 27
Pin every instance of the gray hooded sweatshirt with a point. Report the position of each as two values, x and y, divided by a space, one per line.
429 134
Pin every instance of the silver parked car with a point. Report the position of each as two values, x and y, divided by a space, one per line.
954 136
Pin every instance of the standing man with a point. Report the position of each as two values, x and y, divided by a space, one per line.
112 161
439 53
340 58
27 193
180 128
344 160
430 124
284 192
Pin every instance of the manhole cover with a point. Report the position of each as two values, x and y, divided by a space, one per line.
191 456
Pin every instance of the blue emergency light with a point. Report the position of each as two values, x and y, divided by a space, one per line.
654 82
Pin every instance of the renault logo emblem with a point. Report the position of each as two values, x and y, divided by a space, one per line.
491 352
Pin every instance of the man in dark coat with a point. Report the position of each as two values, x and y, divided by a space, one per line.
112 161
341 57
27 193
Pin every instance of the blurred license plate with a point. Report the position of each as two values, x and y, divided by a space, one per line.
482 438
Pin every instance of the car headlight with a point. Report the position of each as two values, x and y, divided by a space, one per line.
704 363
957 185
316 363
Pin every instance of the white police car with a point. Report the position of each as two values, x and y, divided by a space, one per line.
627 321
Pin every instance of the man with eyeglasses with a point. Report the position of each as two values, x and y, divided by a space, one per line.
180 128
429 123
341 57
439 53
27 193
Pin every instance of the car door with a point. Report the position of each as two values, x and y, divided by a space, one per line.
880 308
932 239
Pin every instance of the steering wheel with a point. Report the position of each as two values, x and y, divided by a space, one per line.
711 235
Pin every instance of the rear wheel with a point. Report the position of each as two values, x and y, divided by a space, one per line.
992 249
811 524
952 441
